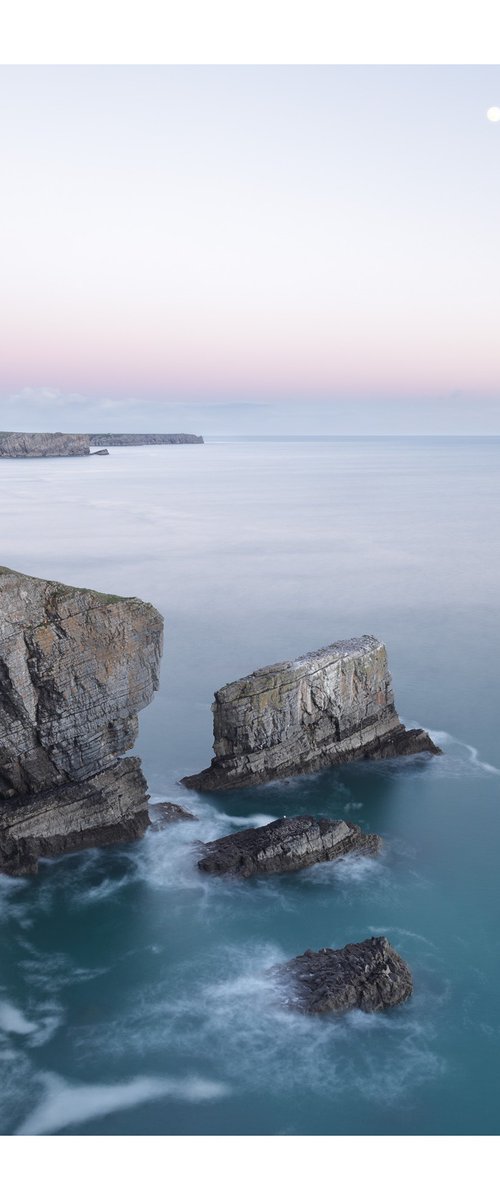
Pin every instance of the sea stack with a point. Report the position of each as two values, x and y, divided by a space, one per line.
369 975
331 706
76 666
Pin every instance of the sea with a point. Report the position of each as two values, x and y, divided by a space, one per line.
135 993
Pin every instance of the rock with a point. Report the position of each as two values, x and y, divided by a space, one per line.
165 812
96 453
368 975
43 445
143 439
76 666
286 845
331 706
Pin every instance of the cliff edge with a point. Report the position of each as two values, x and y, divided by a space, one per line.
331 706
76 666
143 439
43 445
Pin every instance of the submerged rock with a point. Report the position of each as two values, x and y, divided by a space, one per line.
165 812
331 706
43 445
368 975
76 666
286 845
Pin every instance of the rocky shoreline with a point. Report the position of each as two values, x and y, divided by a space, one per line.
76 666
72 445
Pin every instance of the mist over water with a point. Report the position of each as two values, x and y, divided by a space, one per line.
135 996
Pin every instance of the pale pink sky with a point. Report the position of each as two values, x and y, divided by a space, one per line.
193 234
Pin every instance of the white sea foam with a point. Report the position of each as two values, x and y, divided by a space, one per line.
66 1104
12 1020
236 1007
440 737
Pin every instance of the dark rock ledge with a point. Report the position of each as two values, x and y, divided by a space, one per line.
369 975
286 845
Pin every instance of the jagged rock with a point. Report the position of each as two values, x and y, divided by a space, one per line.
331 706
43 445
286 845
76 666
143 439
164 812
369 975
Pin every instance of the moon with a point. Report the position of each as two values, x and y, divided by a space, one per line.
493 114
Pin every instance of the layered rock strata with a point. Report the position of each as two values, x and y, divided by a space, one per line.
143 439
331 706
76 666
286 845
43 445
369 975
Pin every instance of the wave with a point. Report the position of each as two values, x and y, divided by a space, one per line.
65 1104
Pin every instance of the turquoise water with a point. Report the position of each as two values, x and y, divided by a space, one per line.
133 992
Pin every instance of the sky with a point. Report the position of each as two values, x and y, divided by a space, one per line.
250 249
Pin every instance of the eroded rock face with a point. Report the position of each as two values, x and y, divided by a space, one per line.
368 975
143 439
331 706
43 445
76 666
286 845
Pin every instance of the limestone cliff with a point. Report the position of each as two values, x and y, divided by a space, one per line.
43 445
76 666
143 439
331 706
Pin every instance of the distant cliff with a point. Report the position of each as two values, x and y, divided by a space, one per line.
43 445
331 706
76 666
142 439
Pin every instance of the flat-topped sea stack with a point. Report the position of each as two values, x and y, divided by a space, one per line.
331 706
369 975
143 439
44 445
76 666
288 844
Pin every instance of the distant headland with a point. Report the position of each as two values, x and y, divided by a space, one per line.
56 445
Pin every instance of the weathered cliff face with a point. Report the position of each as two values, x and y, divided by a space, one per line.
143 439
76 666
331 706
43 445
369 975
288 844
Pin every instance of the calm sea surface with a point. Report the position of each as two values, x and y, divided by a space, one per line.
133 992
